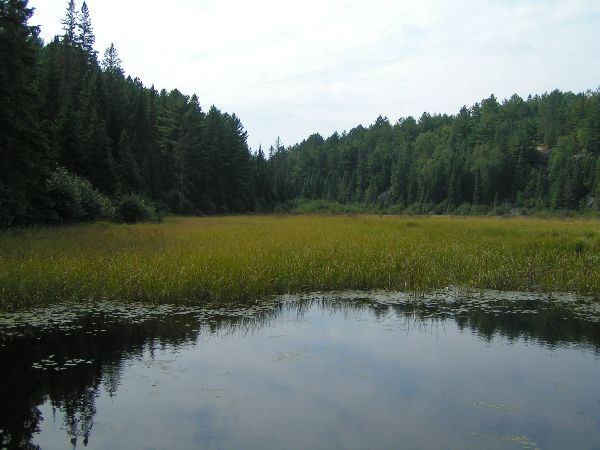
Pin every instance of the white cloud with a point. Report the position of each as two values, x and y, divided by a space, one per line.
294 68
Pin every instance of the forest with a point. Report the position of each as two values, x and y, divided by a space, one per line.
81 141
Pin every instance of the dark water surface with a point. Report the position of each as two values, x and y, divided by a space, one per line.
351 370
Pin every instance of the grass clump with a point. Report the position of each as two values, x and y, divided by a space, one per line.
195 260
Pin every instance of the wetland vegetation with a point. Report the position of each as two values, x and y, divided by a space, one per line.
245 258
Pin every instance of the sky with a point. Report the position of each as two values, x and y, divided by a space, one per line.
294 68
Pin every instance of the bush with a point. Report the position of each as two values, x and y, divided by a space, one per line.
318 206
478 209
395 210
95 205
133 208
414 209
464 209
64 193
285 207
74 199
501 210
321 206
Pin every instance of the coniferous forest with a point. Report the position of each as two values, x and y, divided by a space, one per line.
80 141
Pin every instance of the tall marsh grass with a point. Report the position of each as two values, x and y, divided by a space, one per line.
187 260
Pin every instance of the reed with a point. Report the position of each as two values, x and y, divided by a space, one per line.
243 258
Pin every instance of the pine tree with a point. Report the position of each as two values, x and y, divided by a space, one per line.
85 38
23 153
69 23
111 62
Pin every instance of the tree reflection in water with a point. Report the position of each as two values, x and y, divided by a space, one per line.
90 357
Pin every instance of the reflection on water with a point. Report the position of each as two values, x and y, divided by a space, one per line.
345 370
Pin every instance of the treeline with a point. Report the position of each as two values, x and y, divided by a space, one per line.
536 154
81 141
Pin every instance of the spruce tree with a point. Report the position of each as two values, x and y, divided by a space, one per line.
69 23
85 38
23 163
111 62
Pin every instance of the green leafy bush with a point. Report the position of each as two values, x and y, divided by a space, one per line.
134 208
95 205
463 209
320 206
74 199
65 197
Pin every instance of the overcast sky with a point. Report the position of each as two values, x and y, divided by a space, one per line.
293 68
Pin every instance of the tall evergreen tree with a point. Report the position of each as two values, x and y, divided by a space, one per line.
111 62
69 23
23 151
85 38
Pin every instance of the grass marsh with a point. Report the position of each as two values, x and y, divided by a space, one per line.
196 260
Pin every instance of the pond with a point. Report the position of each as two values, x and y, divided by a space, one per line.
450 370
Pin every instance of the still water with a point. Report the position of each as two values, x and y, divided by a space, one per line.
452 370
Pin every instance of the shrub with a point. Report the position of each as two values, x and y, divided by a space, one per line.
414 209
75 199
318 206
95 205
464 209
321 206
64 193
133 208
395 209
501 210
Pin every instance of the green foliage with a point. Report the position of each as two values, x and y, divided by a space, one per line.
66 198
23 149
111 64
96 206
69 22
61 107
327 207
68 110
520 154
85 38
133 208
74 199
463 209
